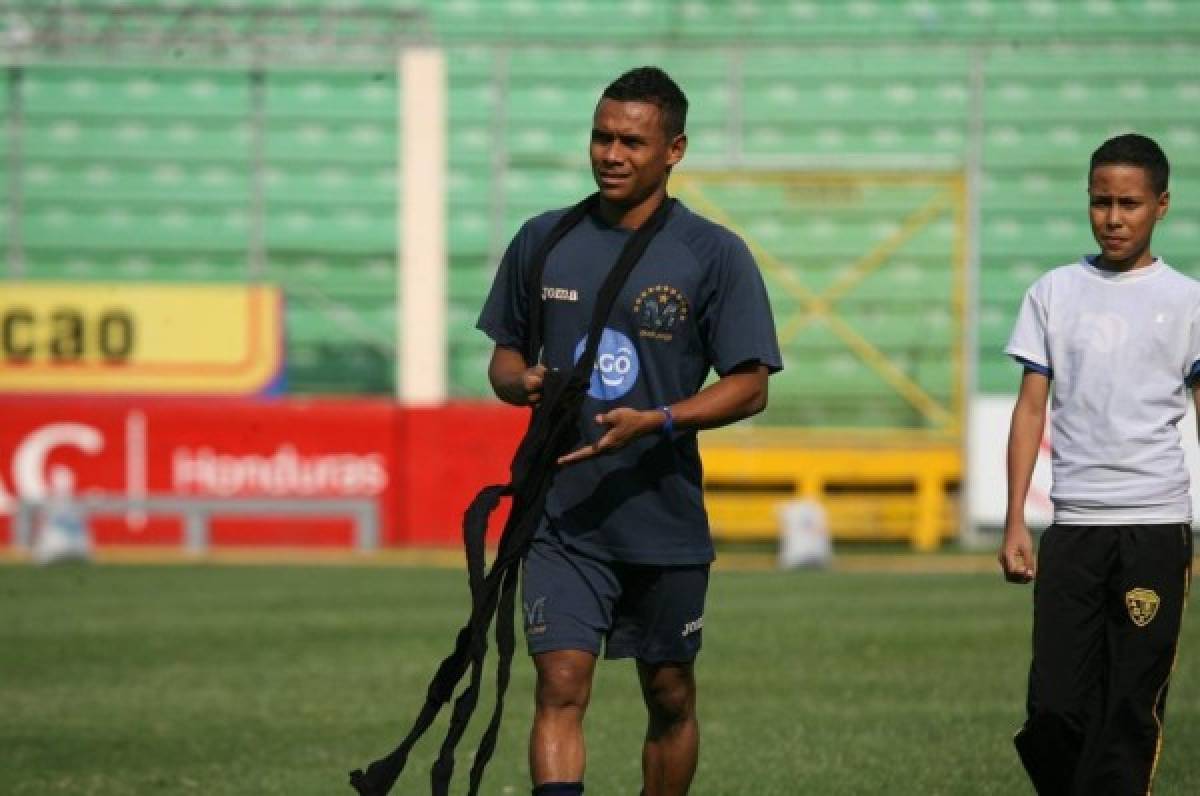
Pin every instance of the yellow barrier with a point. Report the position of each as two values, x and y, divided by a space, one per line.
870 491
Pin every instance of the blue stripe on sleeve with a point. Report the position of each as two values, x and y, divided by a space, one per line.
1048 373
1193 376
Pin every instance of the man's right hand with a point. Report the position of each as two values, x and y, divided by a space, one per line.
513 380
532 380
1016 555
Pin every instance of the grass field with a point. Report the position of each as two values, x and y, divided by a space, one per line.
277 680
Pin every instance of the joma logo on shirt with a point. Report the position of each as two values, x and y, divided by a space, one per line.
693 626
560 294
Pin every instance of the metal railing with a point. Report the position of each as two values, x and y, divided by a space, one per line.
198 512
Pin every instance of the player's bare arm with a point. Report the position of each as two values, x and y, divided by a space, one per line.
513 380
1016 555
738 394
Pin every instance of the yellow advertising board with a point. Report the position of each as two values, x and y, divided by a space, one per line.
126 338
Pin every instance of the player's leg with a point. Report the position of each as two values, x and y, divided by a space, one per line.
659 620
1145 611
556 747
672 742
1067 673
568 603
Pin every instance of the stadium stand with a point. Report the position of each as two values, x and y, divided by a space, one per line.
136 173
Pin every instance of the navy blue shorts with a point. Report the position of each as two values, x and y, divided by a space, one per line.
573 602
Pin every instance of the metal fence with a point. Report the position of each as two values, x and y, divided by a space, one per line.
197 514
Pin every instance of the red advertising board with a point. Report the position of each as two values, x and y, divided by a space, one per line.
421 465
449 453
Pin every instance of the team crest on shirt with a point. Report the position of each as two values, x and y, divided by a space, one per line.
659 310
1142 605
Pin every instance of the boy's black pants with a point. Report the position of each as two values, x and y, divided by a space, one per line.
1107 607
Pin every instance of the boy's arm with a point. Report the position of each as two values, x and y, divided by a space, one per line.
1024 439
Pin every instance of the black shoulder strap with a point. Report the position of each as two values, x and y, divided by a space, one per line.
635 247
553 430
533 285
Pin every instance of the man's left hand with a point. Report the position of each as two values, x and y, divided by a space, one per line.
624 426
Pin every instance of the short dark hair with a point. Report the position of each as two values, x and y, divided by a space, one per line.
653 85
1132 149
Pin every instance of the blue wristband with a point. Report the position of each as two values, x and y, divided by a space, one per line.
669 424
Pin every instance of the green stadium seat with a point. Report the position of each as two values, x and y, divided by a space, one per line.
530 137
460 325
367 227
827 374
358 141
168 152
824 63
174 227
913 330
340 368
552 102
314 321
307 95
1004 284
335 183
221 187
997 373
336 276
469 287
905 329
468 186
69 263
472 100
852 98
541 188
708 141
471 144
538 19
468 370
470 233
820 137
471 63
132 137
139 92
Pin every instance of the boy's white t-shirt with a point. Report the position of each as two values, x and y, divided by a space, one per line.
1120 349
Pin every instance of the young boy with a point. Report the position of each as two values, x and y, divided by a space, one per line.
1118 335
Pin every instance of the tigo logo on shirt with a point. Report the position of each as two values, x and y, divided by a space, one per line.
616 369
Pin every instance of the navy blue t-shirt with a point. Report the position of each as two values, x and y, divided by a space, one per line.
694 301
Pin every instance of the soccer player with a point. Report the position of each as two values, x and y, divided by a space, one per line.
1117 336
622 556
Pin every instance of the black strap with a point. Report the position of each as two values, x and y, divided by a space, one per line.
533 284
553 430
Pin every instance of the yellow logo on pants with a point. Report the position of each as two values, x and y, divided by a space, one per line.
1142 605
